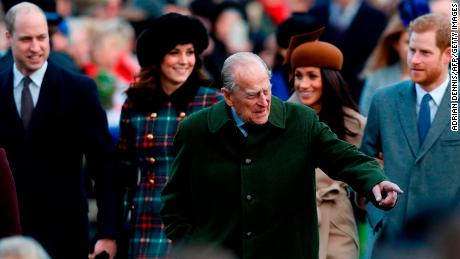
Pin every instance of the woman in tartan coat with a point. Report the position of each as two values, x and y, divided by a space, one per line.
168 88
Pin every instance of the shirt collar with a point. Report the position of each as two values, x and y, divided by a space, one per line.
239 122
436 94
218 115
36 77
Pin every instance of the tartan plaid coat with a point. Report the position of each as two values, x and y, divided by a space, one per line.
149 120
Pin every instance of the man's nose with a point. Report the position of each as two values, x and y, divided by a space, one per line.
263 99
414 58
34 45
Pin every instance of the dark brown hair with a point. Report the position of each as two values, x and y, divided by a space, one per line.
336 96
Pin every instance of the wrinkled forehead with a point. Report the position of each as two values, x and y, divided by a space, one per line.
251 74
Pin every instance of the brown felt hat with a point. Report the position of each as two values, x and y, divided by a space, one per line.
317 54
299 39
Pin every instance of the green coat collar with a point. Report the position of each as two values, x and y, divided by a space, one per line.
218 115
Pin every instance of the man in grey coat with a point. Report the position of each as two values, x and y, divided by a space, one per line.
409 123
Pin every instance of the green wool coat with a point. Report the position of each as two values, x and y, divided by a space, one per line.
256 197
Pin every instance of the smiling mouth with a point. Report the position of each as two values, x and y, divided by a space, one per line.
34 57
305 94
181 69
261 112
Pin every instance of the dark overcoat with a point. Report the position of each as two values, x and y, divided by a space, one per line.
46 160
257 197
9 212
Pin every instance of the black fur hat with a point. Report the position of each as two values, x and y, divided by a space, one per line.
165 33
298 23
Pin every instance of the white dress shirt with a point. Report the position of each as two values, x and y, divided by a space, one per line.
436 97
34 86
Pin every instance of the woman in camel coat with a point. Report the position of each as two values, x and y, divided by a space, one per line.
318 84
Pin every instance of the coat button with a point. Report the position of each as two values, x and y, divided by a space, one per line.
151 181
153 115
150 136
182 114
249 197
247 161
151 160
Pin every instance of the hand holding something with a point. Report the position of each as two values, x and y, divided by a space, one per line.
108 245
386 194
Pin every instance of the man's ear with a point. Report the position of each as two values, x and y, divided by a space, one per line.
446 56
228 96
8 37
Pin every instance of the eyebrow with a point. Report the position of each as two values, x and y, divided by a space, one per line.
249 92
28 36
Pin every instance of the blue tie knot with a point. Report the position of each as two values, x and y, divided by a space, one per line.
424 118
426 98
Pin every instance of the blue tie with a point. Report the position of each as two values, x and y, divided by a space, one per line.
424 121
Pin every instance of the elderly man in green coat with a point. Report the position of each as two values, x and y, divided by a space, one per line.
243 178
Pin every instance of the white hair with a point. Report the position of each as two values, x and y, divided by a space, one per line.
238 59
20 247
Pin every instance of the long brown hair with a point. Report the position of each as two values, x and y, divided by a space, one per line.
336 96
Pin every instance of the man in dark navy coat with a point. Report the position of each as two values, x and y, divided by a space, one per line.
49 120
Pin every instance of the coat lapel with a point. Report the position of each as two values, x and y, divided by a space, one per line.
46 99
7 102
222 126
440 122
408 115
